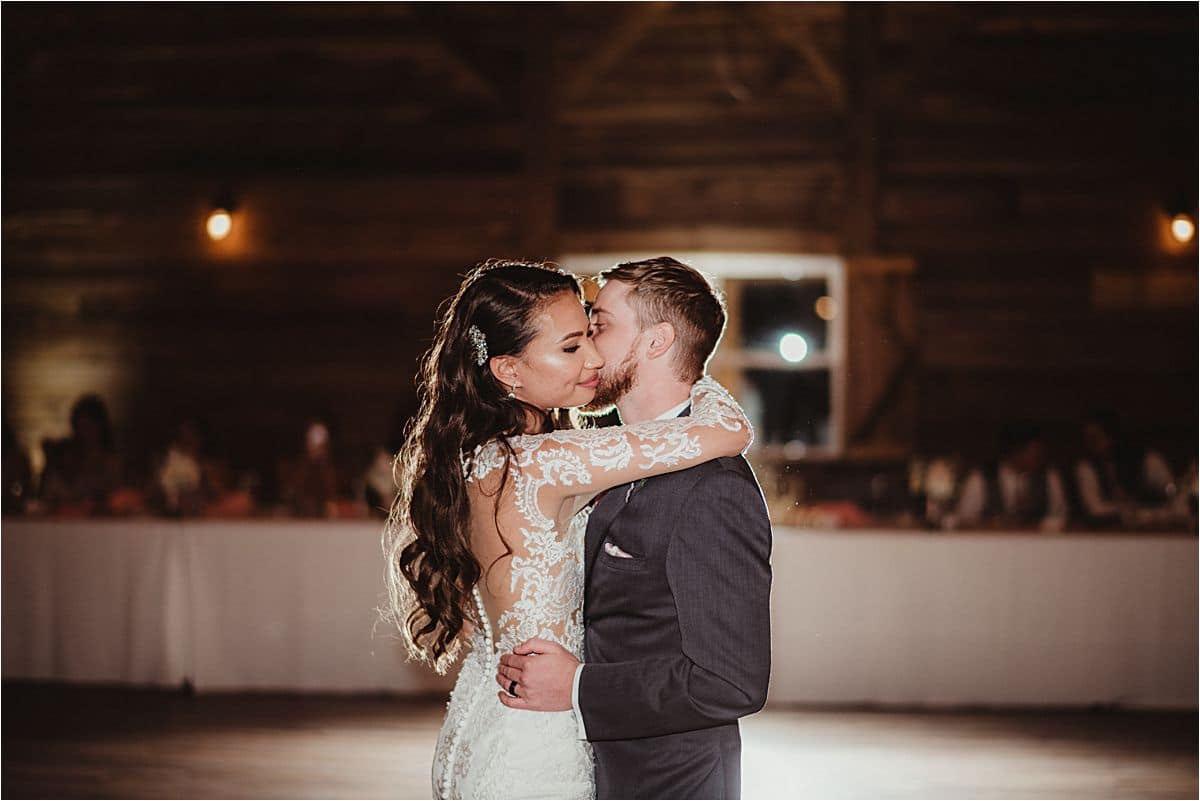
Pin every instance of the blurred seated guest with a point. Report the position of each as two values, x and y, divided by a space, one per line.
1020 490
83 471
1120 484
933 486
190 482
1189 494
379 485
378 482
18 475
308 485
180 478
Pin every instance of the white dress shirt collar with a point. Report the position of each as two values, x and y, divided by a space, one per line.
674 411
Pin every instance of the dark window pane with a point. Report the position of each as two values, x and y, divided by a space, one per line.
771 309
790 406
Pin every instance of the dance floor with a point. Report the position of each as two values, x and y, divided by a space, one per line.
71 741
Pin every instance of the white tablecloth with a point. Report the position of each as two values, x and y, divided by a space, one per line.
992 619
858 617
227 606
95 602
292 606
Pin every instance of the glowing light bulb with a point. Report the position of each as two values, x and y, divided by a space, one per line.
826 307
1182 228
793 347
219 224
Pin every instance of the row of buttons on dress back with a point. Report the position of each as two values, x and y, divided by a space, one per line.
456 737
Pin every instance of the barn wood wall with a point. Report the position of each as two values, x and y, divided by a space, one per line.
1014 153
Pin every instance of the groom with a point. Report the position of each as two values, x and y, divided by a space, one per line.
677 602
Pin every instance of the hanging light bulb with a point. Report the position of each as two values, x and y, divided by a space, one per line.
1183 228
218 224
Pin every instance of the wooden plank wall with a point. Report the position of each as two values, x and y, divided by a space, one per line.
1015 153
1026 149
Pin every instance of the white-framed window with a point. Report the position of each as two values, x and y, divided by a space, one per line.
784 350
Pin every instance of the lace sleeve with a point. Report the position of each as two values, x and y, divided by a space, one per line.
585 462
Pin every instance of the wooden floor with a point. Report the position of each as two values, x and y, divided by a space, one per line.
105 743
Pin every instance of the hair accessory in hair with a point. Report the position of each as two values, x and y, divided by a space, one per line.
480 343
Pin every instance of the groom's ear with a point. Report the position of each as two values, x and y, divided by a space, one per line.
662 337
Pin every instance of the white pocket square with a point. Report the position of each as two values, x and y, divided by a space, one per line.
613 550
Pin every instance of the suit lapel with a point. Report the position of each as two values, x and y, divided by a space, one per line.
603 515
601 518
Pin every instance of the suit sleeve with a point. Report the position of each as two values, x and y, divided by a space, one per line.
718 568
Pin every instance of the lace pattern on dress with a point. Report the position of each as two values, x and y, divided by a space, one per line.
542 594
546 572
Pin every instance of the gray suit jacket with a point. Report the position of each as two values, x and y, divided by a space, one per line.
678 639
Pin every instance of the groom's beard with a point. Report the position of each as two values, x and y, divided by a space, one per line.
612 387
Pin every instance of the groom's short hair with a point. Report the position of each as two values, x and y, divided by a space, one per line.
664 289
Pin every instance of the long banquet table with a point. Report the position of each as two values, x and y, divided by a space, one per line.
250 605
880 617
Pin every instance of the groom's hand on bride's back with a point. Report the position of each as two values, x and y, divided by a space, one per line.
545 676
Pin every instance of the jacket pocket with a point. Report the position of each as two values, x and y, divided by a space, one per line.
624 564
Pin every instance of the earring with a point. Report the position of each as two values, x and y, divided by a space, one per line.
512 393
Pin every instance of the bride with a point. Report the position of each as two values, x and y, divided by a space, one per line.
484 542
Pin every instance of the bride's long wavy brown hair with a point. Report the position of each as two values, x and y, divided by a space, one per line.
430 568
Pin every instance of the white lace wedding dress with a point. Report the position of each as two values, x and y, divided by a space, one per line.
485 749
